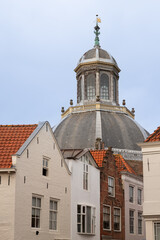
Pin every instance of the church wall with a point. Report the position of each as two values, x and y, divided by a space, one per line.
30 182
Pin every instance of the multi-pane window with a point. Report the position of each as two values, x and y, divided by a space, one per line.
86 219
131 221
117 219
53 211
114 90
91 87
104 87
45 167
85 176
139 200
106 217
139 222
36 210
157 231
131 194
111 188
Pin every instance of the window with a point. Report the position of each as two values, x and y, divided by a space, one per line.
157 231
139 200
106 217
53 211
85 176
117 219
111 188
104 87
79 90
131 221
45 167
36 209
139 222
86 219
114 90
91 89
131 193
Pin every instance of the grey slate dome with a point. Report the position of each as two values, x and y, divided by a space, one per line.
116 129
97 54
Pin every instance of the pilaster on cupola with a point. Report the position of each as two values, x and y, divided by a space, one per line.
97 75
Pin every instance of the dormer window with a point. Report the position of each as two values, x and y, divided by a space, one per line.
91 86
104 86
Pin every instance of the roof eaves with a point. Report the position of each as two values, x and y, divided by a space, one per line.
30 138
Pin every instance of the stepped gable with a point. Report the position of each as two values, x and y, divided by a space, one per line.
121 164
155 136
12 137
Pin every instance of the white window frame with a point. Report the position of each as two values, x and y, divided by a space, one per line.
53 212
84 224
131 196
111 188
36 209
156 226
106 214
45 166
140 221
118 216
132 218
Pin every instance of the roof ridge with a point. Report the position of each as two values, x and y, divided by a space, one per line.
18 125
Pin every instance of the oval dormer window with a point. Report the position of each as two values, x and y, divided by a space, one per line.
91 91
104 86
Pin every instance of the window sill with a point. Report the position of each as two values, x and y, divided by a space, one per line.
108 230
89 234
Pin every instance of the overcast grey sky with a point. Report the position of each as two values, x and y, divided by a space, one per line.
41 42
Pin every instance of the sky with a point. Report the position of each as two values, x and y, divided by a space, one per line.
41 42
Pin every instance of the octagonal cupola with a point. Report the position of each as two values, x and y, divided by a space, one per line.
97 76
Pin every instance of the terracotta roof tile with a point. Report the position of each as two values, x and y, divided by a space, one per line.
154 137
12 138
121 164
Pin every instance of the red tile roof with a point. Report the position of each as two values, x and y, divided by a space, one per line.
121 164
12 137
154 137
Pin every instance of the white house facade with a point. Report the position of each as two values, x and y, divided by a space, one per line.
85 195
151 173
35 190
133 198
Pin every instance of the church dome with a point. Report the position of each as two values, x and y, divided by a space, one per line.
98 120
97 54
116 129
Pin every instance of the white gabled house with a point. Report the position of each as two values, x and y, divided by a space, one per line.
35 193
85 194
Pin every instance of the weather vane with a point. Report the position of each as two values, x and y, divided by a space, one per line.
98 20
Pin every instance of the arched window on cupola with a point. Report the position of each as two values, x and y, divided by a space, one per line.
104 86
114 90
79 90
91 86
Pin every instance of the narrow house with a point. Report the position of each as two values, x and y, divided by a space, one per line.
34 184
